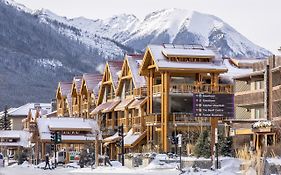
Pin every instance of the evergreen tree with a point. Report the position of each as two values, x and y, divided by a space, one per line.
5 123
226 147
202 146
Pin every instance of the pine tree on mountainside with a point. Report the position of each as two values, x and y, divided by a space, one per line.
202 146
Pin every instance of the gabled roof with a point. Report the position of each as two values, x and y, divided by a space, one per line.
24 110
115 68
76 83
160 54
92 82
64 88
134 63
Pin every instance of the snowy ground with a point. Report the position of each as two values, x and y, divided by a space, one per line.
230 166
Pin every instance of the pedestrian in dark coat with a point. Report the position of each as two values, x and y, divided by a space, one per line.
47 161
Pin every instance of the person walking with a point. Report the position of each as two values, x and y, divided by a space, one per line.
47 161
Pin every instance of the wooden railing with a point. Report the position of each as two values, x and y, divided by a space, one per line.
156 89
60 111
192 88
109 123
129 92
153 119
140 92
181 117
75 109
121 121
249 98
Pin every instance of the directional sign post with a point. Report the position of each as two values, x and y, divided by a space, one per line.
213 105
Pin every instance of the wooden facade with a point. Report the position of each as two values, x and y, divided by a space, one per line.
257 98
76 96
89 93
64 99
171 82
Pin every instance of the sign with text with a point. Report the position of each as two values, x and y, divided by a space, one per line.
213 105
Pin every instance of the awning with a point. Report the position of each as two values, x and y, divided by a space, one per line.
111 139
132 139
124 103
105 107
137 103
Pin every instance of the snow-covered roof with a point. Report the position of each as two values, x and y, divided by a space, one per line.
162 62
234 71
65 88
112 138
134 64
77 80
105 107
131 138
123 104
24 110
46 125
92 82
23 138
115 67
137 103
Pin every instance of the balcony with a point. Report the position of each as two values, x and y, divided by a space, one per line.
85 106
140 92
75 109
109 123
60 112
122 121
192 88
153 119
249 98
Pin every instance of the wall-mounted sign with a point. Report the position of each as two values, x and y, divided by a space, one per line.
213 105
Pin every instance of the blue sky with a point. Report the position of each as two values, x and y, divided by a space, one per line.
258 20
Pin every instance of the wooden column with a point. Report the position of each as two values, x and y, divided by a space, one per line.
214 120
97 149
165 80
141 114
43 150
126 113
150 92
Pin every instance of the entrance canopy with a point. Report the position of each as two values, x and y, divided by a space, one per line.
76 130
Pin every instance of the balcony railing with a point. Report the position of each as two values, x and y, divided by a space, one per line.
75 108
122 121
153 119
109 123
156 89
60 111
140 92
192 88
85 105
249 98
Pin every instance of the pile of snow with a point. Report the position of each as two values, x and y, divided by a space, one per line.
72 165
159 162
25 164
262 124
275 161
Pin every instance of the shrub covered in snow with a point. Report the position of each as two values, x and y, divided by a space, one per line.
202 146
262 124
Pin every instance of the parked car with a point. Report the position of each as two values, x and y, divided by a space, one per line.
1 160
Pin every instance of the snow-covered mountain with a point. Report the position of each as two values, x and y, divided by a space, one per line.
126 33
